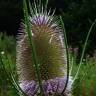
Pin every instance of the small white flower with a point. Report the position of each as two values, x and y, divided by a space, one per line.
2 52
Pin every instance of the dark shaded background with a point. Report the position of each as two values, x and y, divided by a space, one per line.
78 16
10 15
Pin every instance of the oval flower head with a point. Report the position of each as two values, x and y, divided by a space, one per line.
48 40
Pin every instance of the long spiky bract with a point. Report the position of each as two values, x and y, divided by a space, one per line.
34 57
67 53
13 79
10 75
83 51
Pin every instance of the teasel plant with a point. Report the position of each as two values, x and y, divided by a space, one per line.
42 57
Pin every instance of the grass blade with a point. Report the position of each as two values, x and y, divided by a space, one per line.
85 44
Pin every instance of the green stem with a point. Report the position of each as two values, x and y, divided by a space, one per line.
32 45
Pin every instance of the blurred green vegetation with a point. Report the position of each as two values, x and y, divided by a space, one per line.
7 48
85 83
7 44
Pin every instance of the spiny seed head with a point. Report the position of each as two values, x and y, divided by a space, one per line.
48 40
